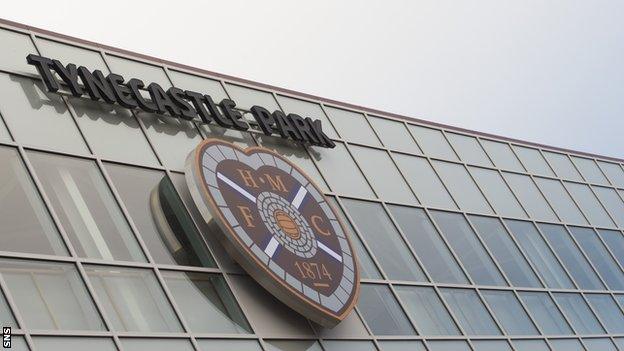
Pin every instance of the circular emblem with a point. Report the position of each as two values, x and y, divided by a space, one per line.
278 226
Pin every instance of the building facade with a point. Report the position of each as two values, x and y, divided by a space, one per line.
465 241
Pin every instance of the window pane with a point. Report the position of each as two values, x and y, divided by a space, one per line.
502 155
37 117
469 250
599 345
307 109
620 343
113 132
589 204
610 199
138 344
566 345
468 149
383 175
206 303
614 172
245 97
545 313
394 135
578 313
352 126
599 257
530 197
86 207
381 311
293 345
385 242
509 312
497 192
17 47
6 316
59 343
505 251
470 312
533 160
432 142
428 245
401 345
452 345
198 84
177 242
340 171
427 311
50 295
71 54
540 255
225 344
134 69
530 345
589 170
236 137
462 187
571 256
18 343
560 201
615 242
342 345
608 312
562 166
490 345
132 299
26 223
424 181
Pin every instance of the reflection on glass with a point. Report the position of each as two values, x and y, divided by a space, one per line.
352 126
401 345
186 81
533 160
578 313
490 345
502 155
470 312
18 343
68 53
228 344
509 312
134 69
56 343
206 303
614 172
340 171
615 242
560 200
530 345
295 345
17 46
566 345
587 201
497 192
451 345
601 344
530 197
381 311
589 170
348 345
599 257
6 316
50 295
307 109
394 135
427 311
142 344
468 149
246 97
612 202
545 313
462 187
562 166
608 312
432 142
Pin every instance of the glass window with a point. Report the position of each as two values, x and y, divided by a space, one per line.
562 166
620 343
450 345
571 256
113 132
307 109
589 204
432 142
599 256
530 345
6 316
560 200
133 299
424 181
578 313
566 345
612 202
134 69
615 242
142 344
468 248
71 54
50 295
26 224
63 343
352 126
589 170
502 155
245 97
293 345
614 172
173 241
350 327
428 245
602 344
383 174
37 117
225 344
381 311
490 345
468 149
236 137
427 311
462 187
608 312
508 311
340 171
86 208
344 345
540 255
505 251
530 197
4 133
497 192
16 47
384 241
394 135
533 160
470 312
198 84
545 313
206 303
18 343
401 345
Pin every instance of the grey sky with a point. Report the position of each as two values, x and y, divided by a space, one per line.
544 71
